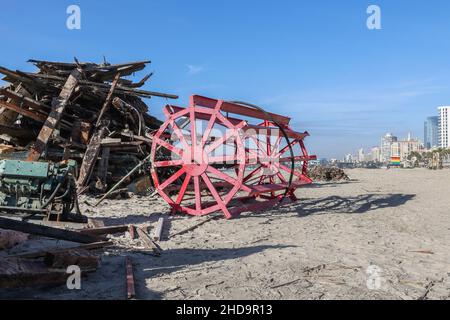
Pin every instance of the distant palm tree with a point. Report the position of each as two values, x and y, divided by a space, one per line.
429 158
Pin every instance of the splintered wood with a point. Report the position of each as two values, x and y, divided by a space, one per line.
58 106
157 234
149 243
67 110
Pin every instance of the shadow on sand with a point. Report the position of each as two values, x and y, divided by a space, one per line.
350 205
175 260
332 184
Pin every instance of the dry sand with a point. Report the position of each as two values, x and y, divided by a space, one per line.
327 246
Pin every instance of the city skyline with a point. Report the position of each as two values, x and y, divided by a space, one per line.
436 133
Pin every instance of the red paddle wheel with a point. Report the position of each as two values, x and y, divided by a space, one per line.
204 161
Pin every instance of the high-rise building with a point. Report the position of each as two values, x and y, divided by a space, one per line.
375 154
431 133
348 158
361 155
404 148
386 144
444 127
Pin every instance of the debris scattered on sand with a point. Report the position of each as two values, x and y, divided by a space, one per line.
328 174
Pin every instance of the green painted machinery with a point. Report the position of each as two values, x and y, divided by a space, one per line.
38 188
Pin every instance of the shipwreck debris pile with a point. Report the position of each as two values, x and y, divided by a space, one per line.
83 111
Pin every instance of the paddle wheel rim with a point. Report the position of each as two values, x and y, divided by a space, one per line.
196 161
274 161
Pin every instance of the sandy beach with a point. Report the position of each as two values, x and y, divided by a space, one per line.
383 235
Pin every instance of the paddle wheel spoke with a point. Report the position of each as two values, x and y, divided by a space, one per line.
168 163
179 134
295 173
208 130
287 148
168 146
222 176
252 174
215 195
280 176
172 179
227 136
183 189
276 145
198 194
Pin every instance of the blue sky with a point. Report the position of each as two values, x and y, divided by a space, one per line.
315 61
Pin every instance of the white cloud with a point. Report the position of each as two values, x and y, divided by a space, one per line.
193 70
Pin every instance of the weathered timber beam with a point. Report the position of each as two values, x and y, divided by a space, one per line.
105 230
108 100
39 254
90 157
157 234
22 273
102 171
149 243
135 137
39 117
7 116
24 112
24 100
58 107
44 231
131 292
105 86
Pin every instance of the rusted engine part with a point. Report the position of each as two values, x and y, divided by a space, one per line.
29 189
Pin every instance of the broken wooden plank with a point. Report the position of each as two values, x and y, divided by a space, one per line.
25 112
105 230
7 116
81 258
62 224
157 234
422 251
90 157
25 100
114 144
148 242
23 273
44 231
95 223
108 99
102 171
131 292
58 107
147 140
132 231
42 253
